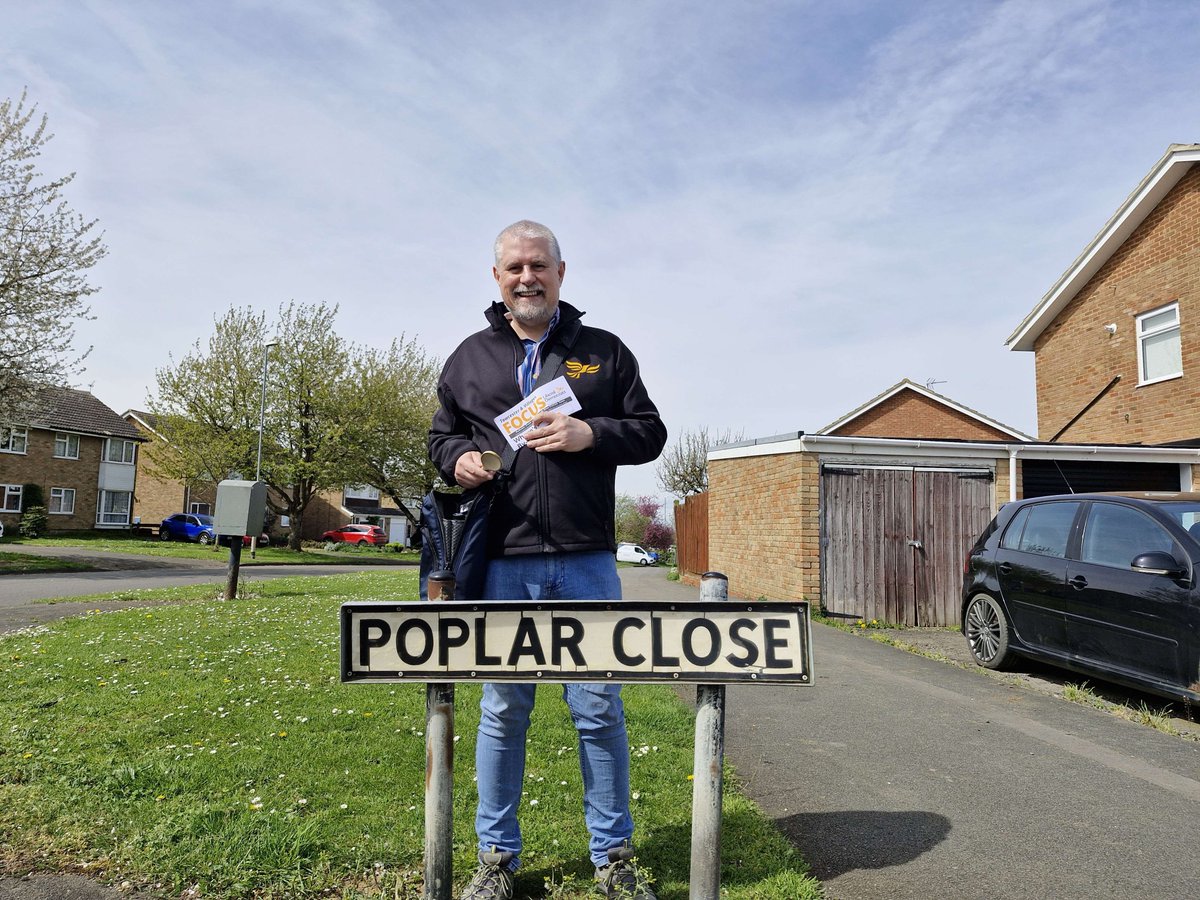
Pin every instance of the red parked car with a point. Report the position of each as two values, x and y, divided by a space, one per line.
357 534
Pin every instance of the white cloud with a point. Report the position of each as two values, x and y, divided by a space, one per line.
784 208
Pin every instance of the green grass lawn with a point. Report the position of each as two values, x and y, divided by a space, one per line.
24 564
147 546
211 743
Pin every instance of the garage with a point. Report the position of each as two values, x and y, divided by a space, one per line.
893 539
1042 477
871 518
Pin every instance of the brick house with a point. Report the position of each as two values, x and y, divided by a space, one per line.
869 514
872 515
158 497
1116 340
333 509
82 455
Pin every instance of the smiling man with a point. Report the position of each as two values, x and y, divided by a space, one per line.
551 533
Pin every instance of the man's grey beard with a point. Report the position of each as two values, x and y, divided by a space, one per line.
527 314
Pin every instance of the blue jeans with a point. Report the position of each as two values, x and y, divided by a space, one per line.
596 710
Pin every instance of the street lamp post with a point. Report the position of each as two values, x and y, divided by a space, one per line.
262 417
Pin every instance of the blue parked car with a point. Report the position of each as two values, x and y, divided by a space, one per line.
187 527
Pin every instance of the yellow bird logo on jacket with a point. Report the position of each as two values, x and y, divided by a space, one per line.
575 369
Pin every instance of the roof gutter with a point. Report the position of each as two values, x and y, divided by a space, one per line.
799 442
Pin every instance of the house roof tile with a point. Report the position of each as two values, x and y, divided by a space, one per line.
907 385
67 409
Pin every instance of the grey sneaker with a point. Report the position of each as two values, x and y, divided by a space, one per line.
492 880
621 879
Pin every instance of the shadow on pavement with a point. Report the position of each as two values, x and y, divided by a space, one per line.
838 842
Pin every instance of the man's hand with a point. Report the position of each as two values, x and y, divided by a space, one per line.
469 471
555 432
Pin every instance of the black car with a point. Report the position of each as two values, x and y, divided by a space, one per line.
1103 584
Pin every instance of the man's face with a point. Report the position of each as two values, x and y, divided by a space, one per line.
529 278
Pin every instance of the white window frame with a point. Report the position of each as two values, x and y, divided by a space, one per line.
9 439
1164 329
66 501
65 440
128 451
200 509
8 493
110 518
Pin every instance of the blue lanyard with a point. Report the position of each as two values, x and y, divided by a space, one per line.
529 370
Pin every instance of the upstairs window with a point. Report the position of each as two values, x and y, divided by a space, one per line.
13 440
66 446
1159 354
119 451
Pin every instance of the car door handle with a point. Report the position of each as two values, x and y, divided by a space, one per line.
1005 569
1078 582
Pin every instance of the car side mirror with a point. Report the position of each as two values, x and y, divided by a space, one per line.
1158 562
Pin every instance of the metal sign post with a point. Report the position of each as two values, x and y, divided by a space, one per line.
439 769
707 765
707 642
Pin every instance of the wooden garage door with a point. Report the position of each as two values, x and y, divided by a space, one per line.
893 540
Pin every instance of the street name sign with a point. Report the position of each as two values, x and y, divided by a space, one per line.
577 640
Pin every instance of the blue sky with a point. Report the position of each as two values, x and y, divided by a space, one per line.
783 207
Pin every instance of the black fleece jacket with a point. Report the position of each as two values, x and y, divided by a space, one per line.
554 502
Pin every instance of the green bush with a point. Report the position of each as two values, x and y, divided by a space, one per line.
34 522
31 496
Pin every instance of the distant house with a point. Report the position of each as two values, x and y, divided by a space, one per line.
157 497
1116 339
80 453
333 509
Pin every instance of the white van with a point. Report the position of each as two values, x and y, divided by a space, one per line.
632 553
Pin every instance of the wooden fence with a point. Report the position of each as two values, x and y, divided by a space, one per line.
691 534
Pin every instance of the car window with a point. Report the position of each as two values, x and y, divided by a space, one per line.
1012 534
1046 528
1113 535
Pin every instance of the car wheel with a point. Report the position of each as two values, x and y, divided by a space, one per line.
643 561
205 537
164 534
987 632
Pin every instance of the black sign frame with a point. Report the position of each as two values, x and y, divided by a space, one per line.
792 614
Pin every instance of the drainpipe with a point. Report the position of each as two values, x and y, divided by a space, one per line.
1012 472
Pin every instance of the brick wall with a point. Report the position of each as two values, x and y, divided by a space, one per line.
1076 357
764 526
156 497
324 513
908 414
38 465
